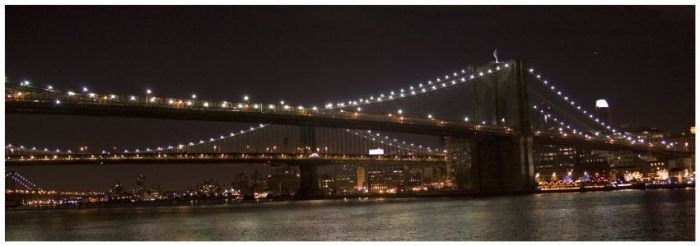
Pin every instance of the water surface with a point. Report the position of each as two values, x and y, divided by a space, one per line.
613 215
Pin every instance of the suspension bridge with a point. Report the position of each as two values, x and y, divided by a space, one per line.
498 112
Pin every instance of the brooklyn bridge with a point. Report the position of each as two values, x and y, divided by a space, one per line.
500 112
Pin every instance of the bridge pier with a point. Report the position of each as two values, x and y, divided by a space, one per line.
491 164
308 187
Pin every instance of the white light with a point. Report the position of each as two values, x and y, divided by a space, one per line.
50 87
376 152
400 111
148 91
206 104
58 101
601 103
245 98
132 98
70 93
194 96
466 119
430 116
85 89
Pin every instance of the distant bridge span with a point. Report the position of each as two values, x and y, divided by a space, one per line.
311 118
218 158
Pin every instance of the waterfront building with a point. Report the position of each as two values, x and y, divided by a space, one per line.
553 162
385 179
345 180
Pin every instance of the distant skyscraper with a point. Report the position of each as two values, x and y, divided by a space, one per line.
602 109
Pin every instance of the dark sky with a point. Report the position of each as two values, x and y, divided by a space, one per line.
639 58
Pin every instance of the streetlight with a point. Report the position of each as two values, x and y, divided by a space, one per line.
245 98
148 93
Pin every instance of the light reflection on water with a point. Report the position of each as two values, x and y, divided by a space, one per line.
615 215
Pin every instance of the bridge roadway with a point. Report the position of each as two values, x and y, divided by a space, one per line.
253 113
48 159
305 117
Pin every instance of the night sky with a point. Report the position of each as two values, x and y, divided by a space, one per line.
641 59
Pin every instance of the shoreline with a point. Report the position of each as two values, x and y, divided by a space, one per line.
224 201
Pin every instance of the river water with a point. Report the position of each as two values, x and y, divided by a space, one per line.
612 215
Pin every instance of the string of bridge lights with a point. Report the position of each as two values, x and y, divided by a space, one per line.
221 137
420 88
86 92
22 180
146 149
440 82
572 103
374 137
11 148
150 98
562 125
589 114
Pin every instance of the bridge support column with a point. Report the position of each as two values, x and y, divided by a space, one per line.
492 164
308 188
502 164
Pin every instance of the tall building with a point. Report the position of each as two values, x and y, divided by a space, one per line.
140 189
602 109
361 177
